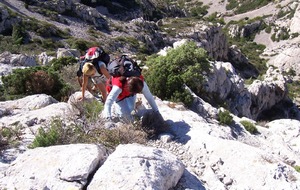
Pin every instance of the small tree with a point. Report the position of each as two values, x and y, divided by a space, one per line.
250 127
18 34
168 74
225 118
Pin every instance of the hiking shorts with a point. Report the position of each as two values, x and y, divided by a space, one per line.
99 79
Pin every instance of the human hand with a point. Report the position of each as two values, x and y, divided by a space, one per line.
80 98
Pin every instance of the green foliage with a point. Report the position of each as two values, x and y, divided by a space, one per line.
268 29
225 118
252 51
18 34
58 64
214 19
59 133
34 80
44 29
282 35
174 26
46 138
250 127
80 45
246 5
297 168
10 136
92 110
168 74
199 11
294 89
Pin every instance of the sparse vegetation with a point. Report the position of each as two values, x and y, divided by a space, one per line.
36 80
225 118
297 168
247 5
250 127
10 136
59 133
294 89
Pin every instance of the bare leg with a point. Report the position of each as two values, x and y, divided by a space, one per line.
102 89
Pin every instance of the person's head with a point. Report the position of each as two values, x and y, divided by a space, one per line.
88 69
135 85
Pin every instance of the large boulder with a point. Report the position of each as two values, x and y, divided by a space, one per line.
135 166
267 93
55 167
287 59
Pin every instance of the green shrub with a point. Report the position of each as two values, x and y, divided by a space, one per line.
81 45
58 64
34 80
92 109
18 34
199 11
246 6
10 136
46 138
167 75
58 134
297 168
250 127
225 118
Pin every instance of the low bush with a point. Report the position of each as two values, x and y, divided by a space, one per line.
168 74
225 118
34 80
59 133
10 136
250 127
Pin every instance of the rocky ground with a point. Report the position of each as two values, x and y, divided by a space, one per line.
77 28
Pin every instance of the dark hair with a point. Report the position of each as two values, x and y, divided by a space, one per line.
135 85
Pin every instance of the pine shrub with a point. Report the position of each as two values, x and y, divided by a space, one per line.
225 118
250 127
168 74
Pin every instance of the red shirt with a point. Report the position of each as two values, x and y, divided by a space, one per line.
115 81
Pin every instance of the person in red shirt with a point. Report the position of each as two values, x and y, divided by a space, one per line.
122 90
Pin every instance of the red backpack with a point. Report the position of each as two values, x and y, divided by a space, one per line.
93 55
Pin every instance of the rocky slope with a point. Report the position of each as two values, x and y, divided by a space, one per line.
200 153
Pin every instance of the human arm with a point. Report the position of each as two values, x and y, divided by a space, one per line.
112 96
83 86
149 97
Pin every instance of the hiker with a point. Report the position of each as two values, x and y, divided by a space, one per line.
123 92
94 69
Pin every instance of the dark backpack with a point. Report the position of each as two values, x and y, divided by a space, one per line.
124 66
93 55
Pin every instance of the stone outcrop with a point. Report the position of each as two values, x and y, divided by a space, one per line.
204 155
56 167
287 60
9 61
135 166
267 93
295 22
63 52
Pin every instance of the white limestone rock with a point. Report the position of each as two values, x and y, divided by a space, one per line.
135 166
55 167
